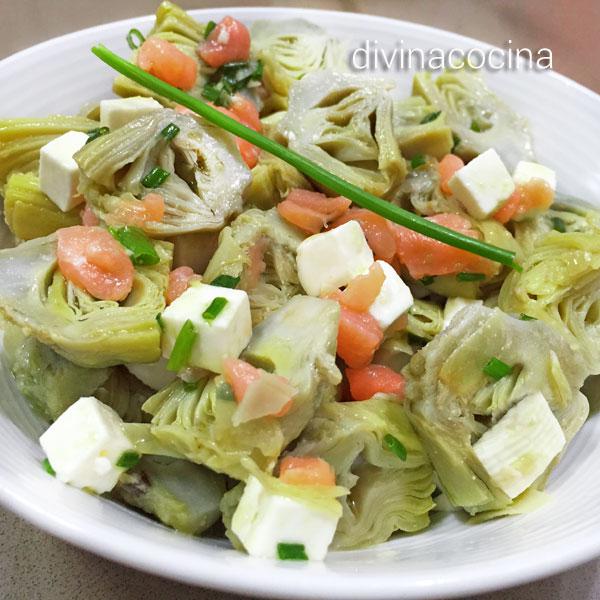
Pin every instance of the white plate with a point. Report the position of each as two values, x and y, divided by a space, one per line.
451 558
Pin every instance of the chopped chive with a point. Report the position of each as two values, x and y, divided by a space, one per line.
496 369
190 386
170 131
427 280
160 321
209 28
475 126
226 281
430 117
214 308
128 459
455 142
525 317
394 445
258 71
211 93
559 225
225 392
291 552
155 177
140 39
139 247
470 277
417 161
48 467
182 348
308 167
416 340
96 133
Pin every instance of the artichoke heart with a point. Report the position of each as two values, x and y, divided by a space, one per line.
206 173
88 332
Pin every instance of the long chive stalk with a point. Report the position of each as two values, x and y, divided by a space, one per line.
309 168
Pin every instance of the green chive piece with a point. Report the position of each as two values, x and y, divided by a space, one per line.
134 44
155 177
128 459
306 166
214 308
226 281
394 445
48 467
225 392
160 321
470 277
214 94
183 347
139 247
417 161
475 126
496 369
291 552
559 225
96 133
525 317
209 28
427 280
170 131
235 76
455 143
190 386
430 117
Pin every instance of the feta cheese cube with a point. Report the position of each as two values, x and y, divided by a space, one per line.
225 336
154 375
84 444
59 173
119 111
454 305
521 445
483 185
526 171
327 261
263 520
393 300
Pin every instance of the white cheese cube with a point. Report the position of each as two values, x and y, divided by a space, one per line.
223 337
454 305
483 185
393 300
154 375
119 111
263 520
327 261
526 171
521 445
84 444
59 173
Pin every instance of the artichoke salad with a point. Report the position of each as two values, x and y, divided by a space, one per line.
219 343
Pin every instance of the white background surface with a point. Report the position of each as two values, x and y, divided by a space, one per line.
35 565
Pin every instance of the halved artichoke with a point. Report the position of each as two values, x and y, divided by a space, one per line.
289 50
343 122
387 494
451 402
206 173
88 332
476 115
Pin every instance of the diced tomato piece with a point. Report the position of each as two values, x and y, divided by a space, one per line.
179 281
362 291
88 217
139 212
246 110
528 198
165 61
446 169
359 336
306 470
311 211
92 259
154 206
376 229
374 379
239 375
425 256
256 264
227 42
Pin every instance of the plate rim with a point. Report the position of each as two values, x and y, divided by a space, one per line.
501 574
